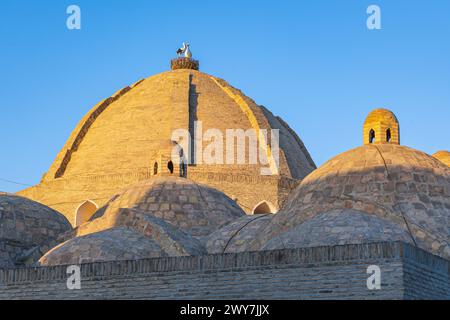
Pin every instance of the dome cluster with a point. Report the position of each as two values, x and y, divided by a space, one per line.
376 192
164 216
123 197
373 193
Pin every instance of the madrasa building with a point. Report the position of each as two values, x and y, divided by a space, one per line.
144 225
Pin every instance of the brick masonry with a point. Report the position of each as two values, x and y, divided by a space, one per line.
114 145
333 272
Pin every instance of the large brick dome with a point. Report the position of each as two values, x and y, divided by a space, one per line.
116 143
396 184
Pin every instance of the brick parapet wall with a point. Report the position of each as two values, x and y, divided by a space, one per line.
337 272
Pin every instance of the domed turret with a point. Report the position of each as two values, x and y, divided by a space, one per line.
381 126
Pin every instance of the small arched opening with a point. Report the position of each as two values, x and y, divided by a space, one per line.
170 167
372 136
84 212
264 207
155 168
388 135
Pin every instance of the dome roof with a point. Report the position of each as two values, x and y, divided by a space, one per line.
27 230
381 115
236 236
443 156
339 227
108 245
126 138
142 237
119 134
194 208
392 182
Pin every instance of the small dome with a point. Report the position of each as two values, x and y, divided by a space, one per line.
109 245
194 208
381 115
394 183
381 126
27 230
443 156
143 237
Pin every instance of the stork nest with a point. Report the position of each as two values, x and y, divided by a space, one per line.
184 63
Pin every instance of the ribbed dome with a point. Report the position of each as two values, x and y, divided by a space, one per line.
27 230
116 142
443 156
196 209
139 118
395 183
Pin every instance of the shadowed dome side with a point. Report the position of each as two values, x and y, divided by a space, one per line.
110 245
194 208
27 230
443 156
138 236
236 236
392 182
339 227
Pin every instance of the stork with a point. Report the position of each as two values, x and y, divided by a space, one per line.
181 50
187 51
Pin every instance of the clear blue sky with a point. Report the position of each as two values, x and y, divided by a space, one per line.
312 62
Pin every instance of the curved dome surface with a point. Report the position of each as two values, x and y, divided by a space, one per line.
443 156
116 142
393 182
194 208
339 227
108 245
236 236
120 137
381 115
27 230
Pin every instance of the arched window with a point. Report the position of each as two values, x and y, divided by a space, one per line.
264 207
155 168
170 166
372 136
388 135
84 212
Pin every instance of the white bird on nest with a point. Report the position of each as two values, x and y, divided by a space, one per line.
187 52
181 50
